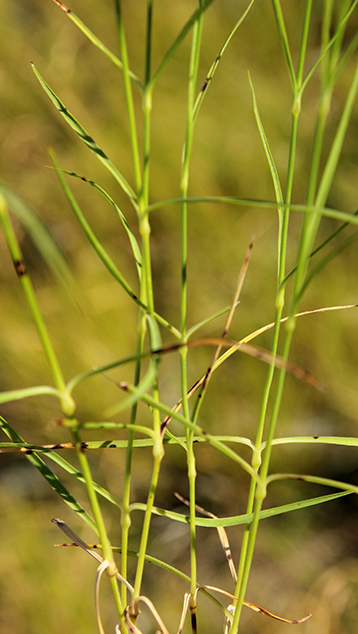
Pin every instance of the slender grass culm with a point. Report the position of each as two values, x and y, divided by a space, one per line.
226 213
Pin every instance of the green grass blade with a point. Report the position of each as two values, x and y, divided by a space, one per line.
83 376
156 562
170 439
26 392
344 58
328 212
148 43
76 380
164 322
186 28
238 520
129 98
50 477
133 241
101 252
284 41
69 468
326 482
98 247
216 62
97 42
10 447
269 156
95 425
206 321
341 441
85 137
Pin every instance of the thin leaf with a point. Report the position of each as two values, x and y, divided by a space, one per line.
327 482
207 320
85 137
216 62
339 441
345 57
265 143
26 392
284 41
69 468
351 49
52 479
11 447
101 252
169 439
96 41
342 441
155 338
111 425
133 241
76 380
204 4
327 212
102 369
247 518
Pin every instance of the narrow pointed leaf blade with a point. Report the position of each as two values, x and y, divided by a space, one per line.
85 137
50 477
96 41
101 252
132 239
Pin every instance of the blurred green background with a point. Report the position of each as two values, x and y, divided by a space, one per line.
305 561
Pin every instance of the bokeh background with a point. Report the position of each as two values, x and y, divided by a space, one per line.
305 561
